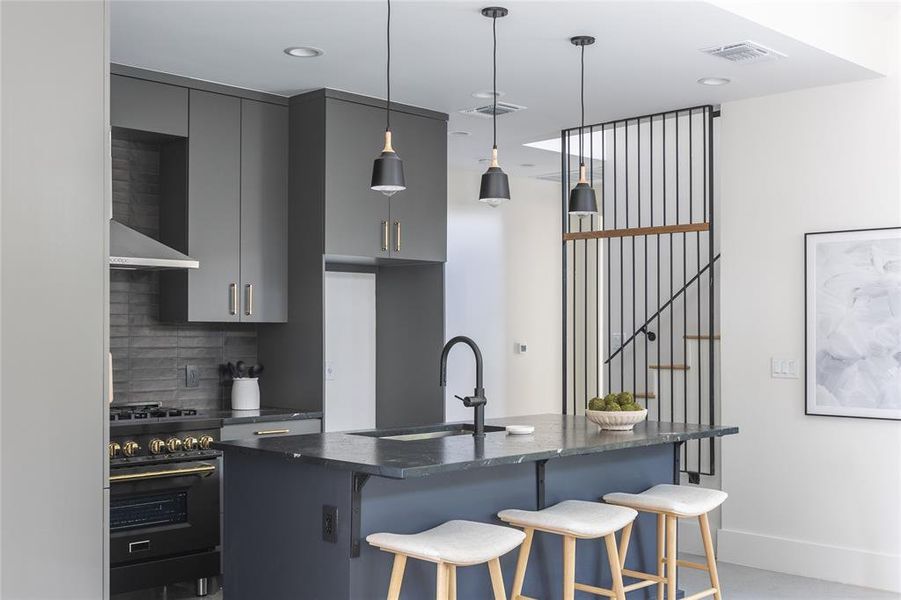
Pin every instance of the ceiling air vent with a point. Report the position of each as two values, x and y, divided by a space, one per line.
487 111
744 53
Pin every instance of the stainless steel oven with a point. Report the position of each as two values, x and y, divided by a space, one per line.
164 507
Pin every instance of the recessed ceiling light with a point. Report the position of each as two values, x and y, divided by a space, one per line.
484 160
459 133
527 165
488 94
304 51
714 81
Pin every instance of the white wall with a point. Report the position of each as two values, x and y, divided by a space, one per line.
503 286
54 226
817 496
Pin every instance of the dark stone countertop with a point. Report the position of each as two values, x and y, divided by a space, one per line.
555 436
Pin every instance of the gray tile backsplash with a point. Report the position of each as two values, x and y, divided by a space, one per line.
149 356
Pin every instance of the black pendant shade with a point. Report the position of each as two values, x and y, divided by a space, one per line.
495 188
582 200
388 171
388 168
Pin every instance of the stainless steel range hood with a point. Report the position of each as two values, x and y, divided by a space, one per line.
129 249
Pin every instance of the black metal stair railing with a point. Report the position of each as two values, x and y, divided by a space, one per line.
644 265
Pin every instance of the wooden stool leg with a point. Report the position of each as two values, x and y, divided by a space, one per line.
615 566
569 568
441 582
670 557
452 582
497 579
661 530
711 556
397 576
521 564
624 545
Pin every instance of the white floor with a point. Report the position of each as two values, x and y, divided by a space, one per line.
739 583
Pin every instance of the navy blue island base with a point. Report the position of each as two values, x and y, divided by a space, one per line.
280 545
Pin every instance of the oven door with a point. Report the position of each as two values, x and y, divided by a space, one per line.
163 510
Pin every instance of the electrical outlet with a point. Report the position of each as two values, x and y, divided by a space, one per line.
329 370
330 524
192 376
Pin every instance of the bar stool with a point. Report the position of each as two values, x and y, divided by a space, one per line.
572 519
669 503
450 545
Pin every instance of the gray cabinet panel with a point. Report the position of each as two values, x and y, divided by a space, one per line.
419 213
264 212
148 106
354 214
214 167
270 429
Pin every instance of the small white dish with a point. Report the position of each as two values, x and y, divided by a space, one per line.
520 429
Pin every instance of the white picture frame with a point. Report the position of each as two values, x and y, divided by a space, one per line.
853 323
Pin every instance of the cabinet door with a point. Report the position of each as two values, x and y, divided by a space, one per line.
419 213
355 215
148 106
214 182
264 212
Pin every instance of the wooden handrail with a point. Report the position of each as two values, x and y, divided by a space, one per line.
636 231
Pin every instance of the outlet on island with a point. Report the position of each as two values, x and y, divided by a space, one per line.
330 524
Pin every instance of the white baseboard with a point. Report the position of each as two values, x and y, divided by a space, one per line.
797 557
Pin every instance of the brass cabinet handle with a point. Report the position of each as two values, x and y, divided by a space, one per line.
233 298
384 236
198 470
248 299
271 431
397 236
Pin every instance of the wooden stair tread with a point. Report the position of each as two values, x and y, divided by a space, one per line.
669 367
702 337
649 395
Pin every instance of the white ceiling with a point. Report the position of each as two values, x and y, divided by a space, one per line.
646 59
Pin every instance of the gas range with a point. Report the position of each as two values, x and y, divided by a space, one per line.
153 433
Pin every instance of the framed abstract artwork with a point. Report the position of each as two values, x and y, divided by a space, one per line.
853 323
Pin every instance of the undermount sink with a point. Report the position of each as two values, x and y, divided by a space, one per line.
426 432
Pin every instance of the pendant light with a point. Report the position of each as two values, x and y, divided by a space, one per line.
388 168
495 188
582 199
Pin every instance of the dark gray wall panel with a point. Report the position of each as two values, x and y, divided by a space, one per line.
410 317
148 106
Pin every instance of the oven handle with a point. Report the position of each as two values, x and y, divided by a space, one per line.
198 470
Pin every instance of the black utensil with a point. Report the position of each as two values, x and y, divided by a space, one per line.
240 367
256 370
233 371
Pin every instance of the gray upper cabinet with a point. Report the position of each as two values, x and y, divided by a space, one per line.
419 213
264 212
214 207
359 222
148 106
356 218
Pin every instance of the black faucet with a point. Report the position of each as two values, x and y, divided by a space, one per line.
477 401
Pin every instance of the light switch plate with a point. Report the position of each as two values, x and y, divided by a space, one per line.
784 367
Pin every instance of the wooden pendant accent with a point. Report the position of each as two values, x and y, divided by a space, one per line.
387 147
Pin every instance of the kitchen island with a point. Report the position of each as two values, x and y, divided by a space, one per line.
298 508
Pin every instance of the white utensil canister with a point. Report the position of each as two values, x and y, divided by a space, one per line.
246 393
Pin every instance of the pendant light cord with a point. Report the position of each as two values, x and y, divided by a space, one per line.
582 100
494 80
388 71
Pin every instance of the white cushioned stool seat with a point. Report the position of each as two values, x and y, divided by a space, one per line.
460 543
573 517
680 500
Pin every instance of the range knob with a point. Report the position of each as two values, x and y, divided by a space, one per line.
130 448
113 448
191 443
157 446
173 444
206 441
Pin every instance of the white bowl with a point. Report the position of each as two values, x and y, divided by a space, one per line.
616 420
520 429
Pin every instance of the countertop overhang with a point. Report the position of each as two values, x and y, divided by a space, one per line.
555 436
